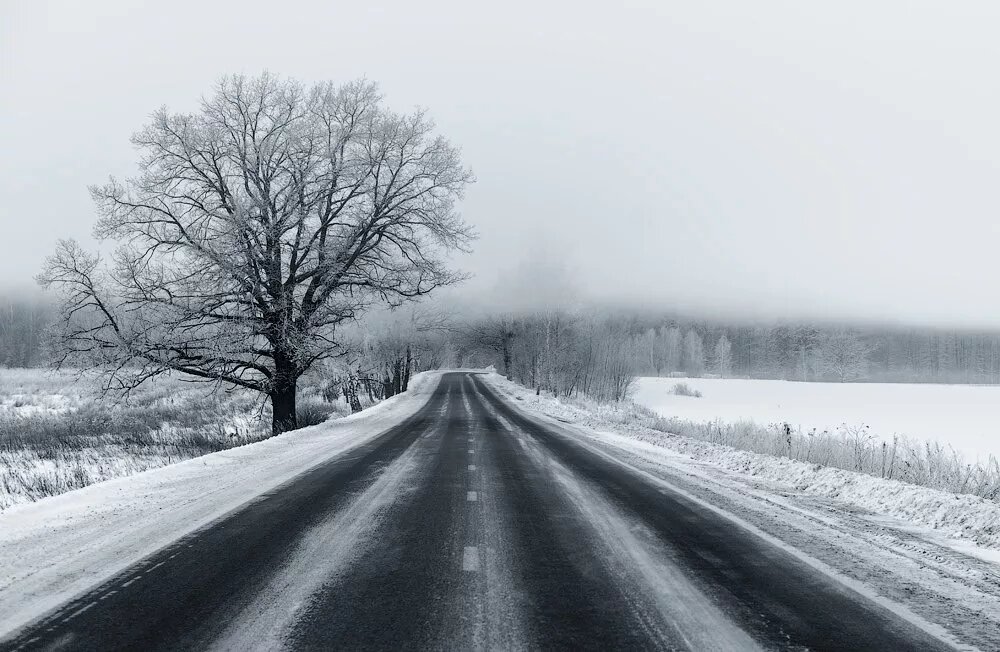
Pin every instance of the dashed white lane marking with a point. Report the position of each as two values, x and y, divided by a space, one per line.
108 594
472 467
472 439
155 567
472 496
470 560
80 611
130 582
471 451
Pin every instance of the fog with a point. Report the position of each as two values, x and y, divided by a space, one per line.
772 159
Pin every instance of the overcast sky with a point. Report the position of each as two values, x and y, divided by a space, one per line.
775 158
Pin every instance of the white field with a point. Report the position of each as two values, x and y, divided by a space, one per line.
965 417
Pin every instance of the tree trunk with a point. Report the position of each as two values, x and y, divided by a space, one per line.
408 369
506 356
351 393
283 416
387 386
397 376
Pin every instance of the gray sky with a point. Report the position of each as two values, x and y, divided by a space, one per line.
776 158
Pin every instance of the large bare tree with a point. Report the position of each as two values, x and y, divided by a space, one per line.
255 226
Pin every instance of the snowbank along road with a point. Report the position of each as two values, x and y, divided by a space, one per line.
474 525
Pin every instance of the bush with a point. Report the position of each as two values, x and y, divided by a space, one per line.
852 448
331 392
310 412
683 389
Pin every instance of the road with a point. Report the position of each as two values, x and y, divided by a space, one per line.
472 525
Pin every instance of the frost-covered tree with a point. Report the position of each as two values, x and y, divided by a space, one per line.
23 318
255 227
388 347
496 334
694 354
844 356
651 352
723 356
673 347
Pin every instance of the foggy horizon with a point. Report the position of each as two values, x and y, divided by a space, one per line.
714 159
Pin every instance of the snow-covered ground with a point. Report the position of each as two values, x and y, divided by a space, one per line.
965 417
53 549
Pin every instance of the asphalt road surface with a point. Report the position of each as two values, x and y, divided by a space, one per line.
473 526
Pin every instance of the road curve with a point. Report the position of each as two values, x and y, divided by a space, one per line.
472 525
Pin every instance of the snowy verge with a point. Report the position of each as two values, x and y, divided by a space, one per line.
57 547
953 515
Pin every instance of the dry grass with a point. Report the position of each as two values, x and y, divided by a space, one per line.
57 434
683 389
852 448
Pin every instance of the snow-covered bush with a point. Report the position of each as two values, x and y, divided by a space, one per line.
683 389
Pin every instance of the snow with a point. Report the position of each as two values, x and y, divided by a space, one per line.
965 417
55 548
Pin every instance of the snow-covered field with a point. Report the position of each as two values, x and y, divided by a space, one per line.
965 417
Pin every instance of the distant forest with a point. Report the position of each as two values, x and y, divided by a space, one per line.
811 352
664 345
23 319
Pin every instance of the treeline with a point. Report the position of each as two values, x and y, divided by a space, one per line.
383 355
559 352
572 352
811 353
23 320
593 352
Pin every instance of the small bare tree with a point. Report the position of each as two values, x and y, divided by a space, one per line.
255 227
723 357
844 356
